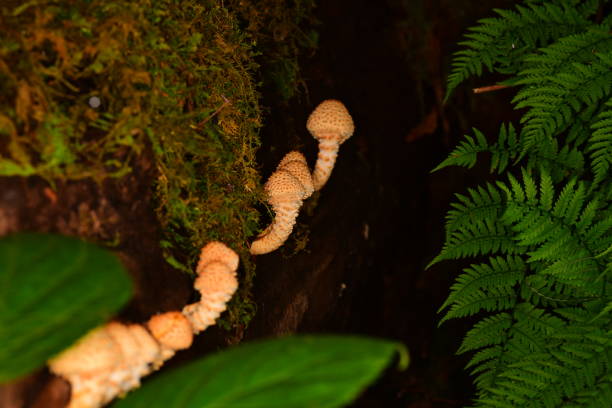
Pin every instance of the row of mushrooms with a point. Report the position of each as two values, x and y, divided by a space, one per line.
286 189
110 360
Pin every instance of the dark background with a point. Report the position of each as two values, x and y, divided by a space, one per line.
379 220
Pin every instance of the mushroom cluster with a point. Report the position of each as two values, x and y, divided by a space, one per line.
111 359
286 189
331 124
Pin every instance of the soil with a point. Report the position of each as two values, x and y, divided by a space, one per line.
369 233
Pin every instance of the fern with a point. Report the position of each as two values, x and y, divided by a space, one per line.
600 145
500 44
506 152
540 236
553 103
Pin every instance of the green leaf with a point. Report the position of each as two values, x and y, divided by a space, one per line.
53 289
290 372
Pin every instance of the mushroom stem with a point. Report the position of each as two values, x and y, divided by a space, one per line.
275 235
286 189
331 124
328 151
216 283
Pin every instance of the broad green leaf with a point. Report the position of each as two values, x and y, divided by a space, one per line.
291 372
53 289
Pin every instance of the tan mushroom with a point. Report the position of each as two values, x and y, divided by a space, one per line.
111 360
331 124
107 362
216 283
172 330
217 251
286 189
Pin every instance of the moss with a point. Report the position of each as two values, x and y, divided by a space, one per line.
174 79
282 31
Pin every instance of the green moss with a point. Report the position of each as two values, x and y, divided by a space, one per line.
282 30
174 78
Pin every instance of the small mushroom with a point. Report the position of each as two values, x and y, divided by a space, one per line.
107 362
216 283
331 124
217 251
111 360
95 352
172 330
286 189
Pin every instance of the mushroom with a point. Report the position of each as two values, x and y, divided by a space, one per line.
216 283
331 124
108 361
286 189
172 330
216 251
111 359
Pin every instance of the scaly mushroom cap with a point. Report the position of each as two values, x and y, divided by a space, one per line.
286 188
217 251
330 119
295 163
171 330
94 352
217 284
216 278
283 186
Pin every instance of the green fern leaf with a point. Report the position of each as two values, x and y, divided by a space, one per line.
481 204
547 228
500 44
466 153
553 105
500 272
488 237
600 145
494 299
487 332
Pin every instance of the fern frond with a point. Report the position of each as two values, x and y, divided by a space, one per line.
561 237
549 230
574 367
494 299
487 332
485 238
600 145
546 336
499 44
557 162
466 152
481 204
508 148
475 283
559 56
541 291
523 334
553 105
